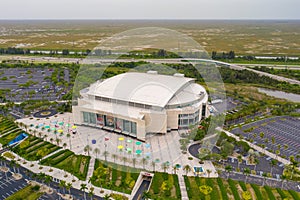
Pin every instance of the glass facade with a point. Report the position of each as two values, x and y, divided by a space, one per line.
110 121
184 120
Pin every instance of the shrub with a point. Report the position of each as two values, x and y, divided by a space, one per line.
270 193
222 188
257 191
234 189
205 189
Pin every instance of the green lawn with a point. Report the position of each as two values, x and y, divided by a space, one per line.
231 189
34 148
70 162
27 193
116 177
165 186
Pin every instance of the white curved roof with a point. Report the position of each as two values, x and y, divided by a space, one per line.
144 88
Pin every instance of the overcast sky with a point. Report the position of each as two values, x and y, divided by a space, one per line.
150 9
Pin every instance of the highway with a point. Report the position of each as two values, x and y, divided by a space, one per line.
90 60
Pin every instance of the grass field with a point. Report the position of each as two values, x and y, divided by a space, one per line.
116 177
244 37
165 186
70 162
27 193
234 190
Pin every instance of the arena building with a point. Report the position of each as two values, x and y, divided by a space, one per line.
137 104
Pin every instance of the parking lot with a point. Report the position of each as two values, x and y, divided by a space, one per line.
285 130
10 185
31 83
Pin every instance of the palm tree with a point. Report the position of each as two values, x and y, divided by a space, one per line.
91 192
144 162
57 140
124 159
83 188
273 163
134 162
228 169
106 197
265 176
239 160
105 154
153 165
96 151
208 172
165 166
62 184
187 169
48 180
69 137
146 195
114 156
51 140
261 134
256 162
175 169
246 172
87 149
283 178
40 134
64 145
68 187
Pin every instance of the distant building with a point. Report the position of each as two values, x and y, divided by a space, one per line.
139 103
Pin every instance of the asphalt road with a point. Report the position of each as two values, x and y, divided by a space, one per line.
158 61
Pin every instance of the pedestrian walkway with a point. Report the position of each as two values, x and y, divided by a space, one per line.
91 168
184 195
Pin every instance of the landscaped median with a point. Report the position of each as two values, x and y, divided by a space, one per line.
221 189
70 162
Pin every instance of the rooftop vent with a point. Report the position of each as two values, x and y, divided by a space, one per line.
178 75
152 72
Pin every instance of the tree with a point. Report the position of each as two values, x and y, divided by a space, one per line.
68 187
146 195
265 176
114 156
165 166
87 149
91 192
153 164
246 172
124 159
83 188
57 141
175 169
187 169
64 145
62 184
144 162
105 154
228 169
239 160
96 151
272 164
134 162
69 136
208 172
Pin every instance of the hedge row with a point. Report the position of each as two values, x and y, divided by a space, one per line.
281 193
222 189
270 193
214 194
257 191
50 160
243 185
294 195
178 191
233 189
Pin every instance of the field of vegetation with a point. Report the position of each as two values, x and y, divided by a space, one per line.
27 193
116 177
69 162
217 188
165 186
244 37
